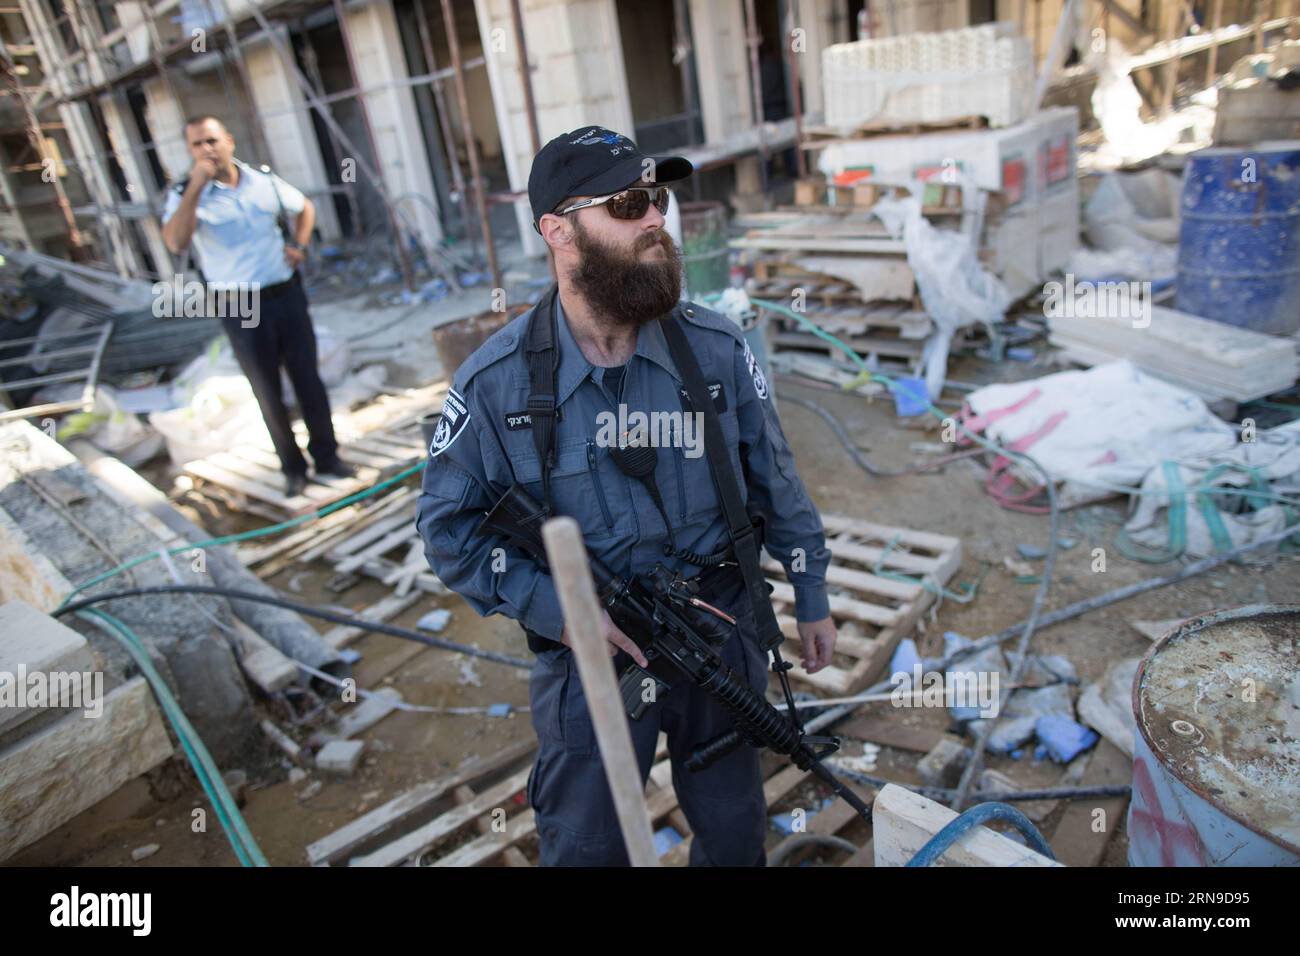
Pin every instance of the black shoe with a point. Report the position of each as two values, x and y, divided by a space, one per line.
337 468
294 485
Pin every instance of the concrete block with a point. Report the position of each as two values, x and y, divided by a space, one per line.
50 776
941 767
34 643
26 574
369 712
340 756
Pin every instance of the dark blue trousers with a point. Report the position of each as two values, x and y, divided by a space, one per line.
283 336
576 822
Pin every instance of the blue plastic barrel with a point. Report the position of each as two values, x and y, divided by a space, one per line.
1239 245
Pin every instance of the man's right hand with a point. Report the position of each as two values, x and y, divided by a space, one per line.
203 171
616 639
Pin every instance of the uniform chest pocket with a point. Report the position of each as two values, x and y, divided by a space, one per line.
578 489
695 493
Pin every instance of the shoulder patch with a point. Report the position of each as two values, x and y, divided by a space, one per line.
756 373
455 416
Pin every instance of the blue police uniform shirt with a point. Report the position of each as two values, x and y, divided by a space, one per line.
484 445
237 239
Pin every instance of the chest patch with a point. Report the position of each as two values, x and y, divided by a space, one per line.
520 420
455 416
715 392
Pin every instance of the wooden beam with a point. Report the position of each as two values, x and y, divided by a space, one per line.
342 842
904 821
1216 18
584 625
1132 22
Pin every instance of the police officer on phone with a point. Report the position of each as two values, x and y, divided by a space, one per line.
235 216
598 202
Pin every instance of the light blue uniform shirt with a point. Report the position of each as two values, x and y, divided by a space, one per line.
236 239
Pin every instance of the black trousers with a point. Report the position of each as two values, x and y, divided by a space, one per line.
281 335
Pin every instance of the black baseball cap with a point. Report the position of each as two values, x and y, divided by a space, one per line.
593 161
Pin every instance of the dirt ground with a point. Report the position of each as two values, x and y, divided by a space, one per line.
407 748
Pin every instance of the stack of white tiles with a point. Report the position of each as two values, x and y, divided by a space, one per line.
985 70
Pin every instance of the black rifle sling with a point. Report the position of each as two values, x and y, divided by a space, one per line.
739 527
542 363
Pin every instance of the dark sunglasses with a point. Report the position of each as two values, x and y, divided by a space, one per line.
631 203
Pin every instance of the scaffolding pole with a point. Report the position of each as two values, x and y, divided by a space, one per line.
38 143
408 277
796 97
286 56
471 147
444 123
752 40
312 63
235 49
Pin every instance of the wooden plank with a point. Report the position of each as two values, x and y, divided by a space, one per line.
484 848
343 841
861 581
343 544
867 246
335 523
863 345
843 524
385 609
904 821
238 465
202 468
403 533
1074 841
411 845
841 606
890 732
889 558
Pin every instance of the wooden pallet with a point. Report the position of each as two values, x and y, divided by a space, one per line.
876 342
818 137
254 471
378 438
388 547
881 610
477 816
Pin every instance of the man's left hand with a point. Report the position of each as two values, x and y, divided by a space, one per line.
818 638
295 257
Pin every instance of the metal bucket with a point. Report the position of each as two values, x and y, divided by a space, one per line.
457 341
1216 766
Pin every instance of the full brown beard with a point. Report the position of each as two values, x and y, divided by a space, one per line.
621 288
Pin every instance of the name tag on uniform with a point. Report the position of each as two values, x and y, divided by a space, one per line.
517 420
715 392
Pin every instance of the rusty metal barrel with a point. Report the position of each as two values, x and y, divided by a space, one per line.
1216 766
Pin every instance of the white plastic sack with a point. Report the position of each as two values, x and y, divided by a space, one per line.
1099 428
1275 457
106 425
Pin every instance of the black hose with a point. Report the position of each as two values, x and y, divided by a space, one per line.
842 434
331 616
